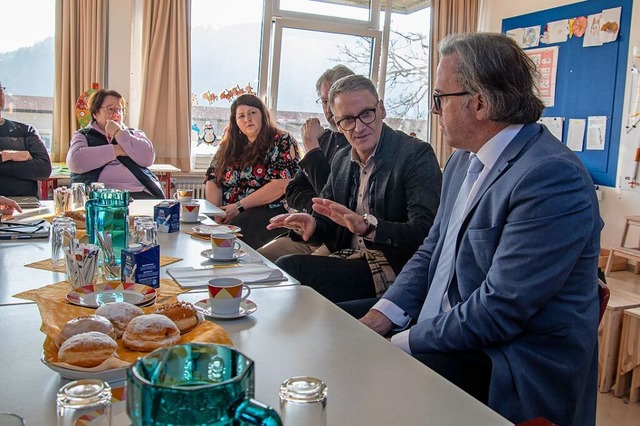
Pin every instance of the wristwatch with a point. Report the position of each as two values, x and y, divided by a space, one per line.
240 207
372 224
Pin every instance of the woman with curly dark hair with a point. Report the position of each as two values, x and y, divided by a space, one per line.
248 175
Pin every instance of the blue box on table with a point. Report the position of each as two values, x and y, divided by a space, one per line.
167 216
140 264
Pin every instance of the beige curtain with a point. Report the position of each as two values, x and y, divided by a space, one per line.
447 17
79 62
165 111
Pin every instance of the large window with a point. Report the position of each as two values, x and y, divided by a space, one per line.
225 55
278 48
27 63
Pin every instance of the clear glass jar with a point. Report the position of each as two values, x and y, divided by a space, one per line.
89 399
303 401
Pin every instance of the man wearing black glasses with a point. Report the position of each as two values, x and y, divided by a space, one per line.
502 297
320 146
24 159
377 207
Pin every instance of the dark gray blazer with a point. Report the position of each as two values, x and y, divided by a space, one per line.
404 196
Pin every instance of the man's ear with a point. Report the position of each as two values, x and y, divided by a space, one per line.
383 111
481 106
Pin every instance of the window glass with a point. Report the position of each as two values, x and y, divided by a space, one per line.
27 63
407 94
334 8
225 55
297 83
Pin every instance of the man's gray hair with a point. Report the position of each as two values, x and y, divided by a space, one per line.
352 83
494 66
332 75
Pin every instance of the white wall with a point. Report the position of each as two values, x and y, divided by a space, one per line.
616 202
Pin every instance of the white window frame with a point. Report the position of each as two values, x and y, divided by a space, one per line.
276 20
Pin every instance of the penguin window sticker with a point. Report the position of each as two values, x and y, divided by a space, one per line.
207 135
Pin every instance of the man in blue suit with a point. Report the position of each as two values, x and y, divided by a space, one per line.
502 296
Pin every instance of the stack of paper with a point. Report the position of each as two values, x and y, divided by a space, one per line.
250 273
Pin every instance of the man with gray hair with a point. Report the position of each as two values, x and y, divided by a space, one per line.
320 145
376 208
502 297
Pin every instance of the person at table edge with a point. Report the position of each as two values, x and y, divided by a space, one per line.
320 147
517 327
107 151
249 173
377 206
24 159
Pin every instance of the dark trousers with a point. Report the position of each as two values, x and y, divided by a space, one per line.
335 278
470 371
254 223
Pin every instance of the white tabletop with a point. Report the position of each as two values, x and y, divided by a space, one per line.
294 331
15 278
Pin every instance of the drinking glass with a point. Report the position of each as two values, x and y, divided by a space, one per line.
145 230
63 232
303 401
87 400
195 384
78 195
61 200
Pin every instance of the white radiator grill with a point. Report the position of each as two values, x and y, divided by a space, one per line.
198 188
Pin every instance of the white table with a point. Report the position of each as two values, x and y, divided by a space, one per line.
294 331
15 278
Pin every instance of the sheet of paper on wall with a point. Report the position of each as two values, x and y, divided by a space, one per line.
557 32
517 35
596 131
610 24
554 124
592 35
575 134
546 60
634 106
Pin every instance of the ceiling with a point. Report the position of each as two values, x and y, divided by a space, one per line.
398 6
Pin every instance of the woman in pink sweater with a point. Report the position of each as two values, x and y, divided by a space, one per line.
107 151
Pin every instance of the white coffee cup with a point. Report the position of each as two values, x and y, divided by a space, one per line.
184 195
224 245
189 211
225 295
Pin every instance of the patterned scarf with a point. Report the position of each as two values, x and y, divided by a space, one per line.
382 273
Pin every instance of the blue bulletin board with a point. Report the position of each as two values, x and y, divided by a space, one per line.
590 80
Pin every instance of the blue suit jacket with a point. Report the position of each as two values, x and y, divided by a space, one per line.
526 270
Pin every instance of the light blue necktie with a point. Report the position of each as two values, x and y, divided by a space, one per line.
446 263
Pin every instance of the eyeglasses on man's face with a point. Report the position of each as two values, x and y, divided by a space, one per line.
2 89
367 116
112 110
322 102
437 98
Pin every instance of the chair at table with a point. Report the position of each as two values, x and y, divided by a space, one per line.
603 294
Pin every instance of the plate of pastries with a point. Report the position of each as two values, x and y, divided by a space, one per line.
102 345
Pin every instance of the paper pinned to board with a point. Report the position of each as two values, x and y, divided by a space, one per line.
250 273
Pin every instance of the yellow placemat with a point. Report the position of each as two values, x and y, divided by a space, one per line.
55 311
47 265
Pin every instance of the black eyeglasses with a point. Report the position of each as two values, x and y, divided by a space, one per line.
437 103
322 102
367 116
